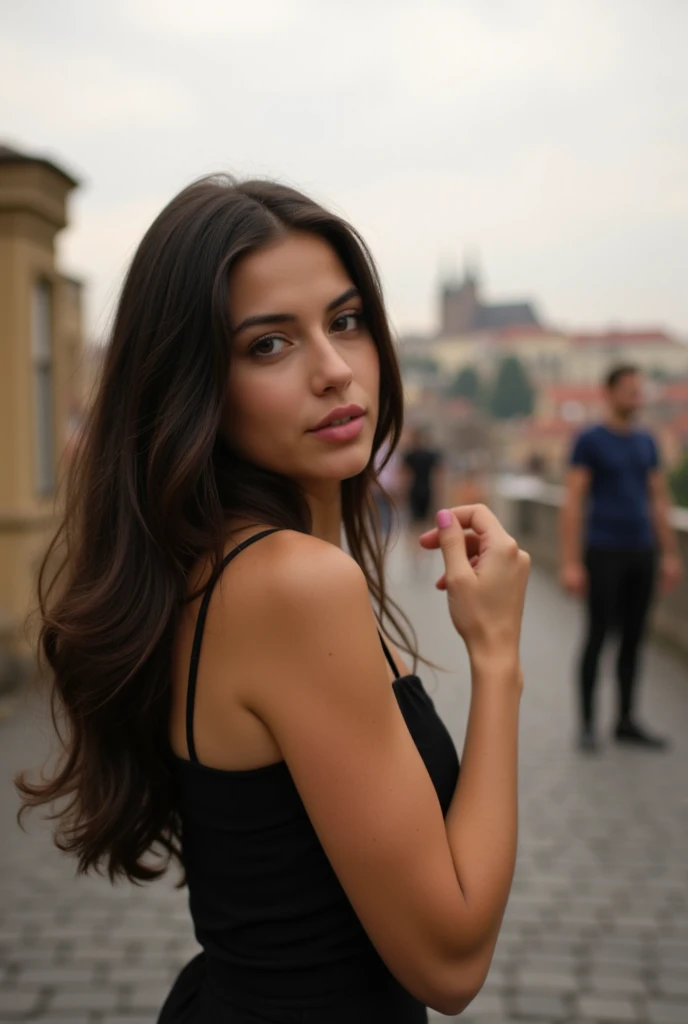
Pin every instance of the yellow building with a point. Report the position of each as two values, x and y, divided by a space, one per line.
543 352
41 342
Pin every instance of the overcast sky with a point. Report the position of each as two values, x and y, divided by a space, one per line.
546 138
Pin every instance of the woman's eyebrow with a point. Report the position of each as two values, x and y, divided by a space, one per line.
283 318
350 293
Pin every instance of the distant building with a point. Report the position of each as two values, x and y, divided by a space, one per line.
462 310
40 349
657 353
542 351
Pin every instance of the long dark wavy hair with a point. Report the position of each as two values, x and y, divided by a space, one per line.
149 491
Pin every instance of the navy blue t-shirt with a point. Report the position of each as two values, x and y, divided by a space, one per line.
618 507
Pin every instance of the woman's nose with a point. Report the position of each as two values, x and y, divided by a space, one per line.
330 369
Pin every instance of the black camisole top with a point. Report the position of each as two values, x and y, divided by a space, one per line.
281 942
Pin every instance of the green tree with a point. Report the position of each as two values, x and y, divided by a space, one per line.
466 384
679 482
512 394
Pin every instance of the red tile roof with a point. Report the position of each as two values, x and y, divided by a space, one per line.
673 391
520 331
572 392
679 424
555 426
652 335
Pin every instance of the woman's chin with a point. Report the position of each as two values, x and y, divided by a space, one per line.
338 466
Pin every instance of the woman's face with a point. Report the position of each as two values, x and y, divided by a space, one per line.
301 350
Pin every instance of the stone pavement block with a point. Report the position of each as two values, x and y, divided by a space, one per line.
557 945
636 958
86 999
19 1002
541 1007
126 1020
147 997
132 933
626 985
597 1008
98 946
41 975
659 1011
582 918
141 974
69 1018
545 964
96 951
674 984
40 955
673 948
616 968
626 942
562 982
633 924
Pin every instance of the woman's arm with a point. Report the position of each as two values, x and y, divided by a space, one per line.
431 896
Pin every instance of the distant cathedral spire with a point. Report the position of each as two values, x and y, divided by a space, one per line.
471 273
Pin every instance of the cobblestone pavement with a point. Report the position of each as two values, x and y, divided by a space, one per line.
597 925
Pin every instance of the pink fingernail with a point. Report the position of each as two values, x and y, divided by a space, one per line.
444 518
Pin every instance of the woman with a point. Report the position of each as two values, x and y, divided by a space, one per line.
230 695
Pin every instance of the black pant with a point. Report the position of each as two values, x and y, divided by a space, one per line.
620 585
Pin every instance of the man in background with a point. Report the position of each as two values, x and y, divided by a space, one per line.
613 557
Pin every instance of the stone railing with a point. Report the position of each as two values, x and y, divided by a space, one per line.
529 508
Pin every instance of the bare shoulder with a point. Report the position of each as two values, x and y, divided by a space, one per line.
289 605
289 569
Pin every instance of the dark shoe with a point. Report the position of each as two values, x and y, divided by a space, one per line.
629 732
587 741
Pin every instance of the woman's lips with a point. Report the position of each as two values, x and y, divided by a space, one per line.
340 432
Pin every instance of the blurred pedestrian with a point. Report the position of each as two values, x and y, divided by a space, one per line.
612 558
423 485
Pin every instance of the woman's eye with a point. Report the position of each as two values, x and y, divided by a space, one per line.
347 322
263 347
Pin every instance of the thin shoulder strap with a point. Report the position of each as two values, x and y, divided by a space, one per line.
198 635
388 656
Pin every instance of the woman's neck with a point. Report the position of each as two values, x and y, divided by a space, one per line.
326 512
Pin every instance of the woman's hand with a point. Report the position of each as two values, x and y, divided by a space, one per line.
485 577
